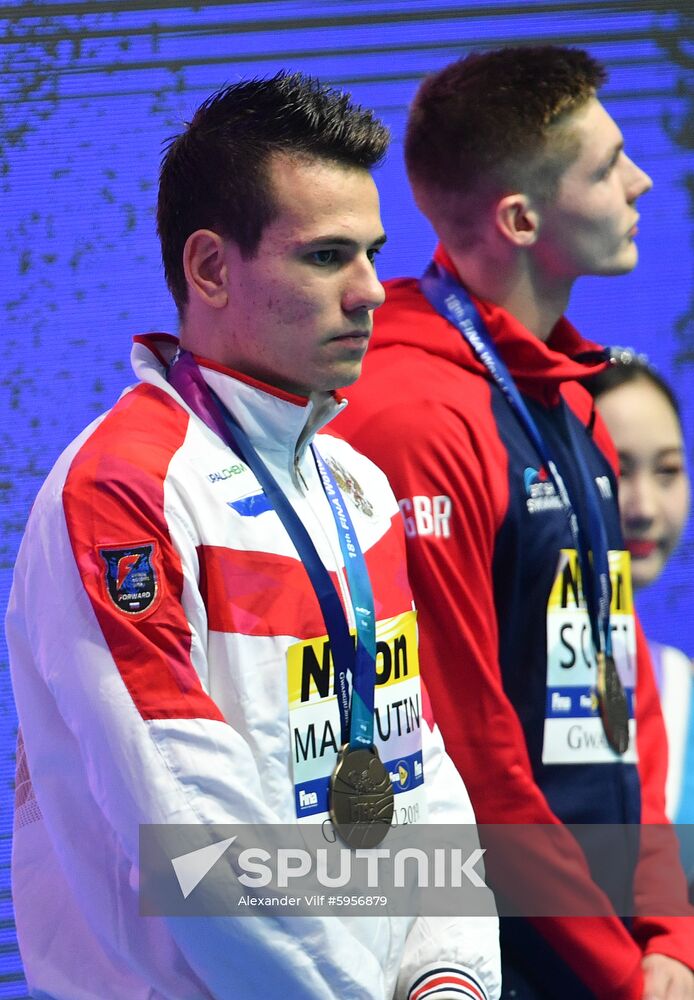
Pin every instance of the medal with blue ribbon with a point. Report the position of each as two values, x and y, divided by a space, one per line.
361 792
452 302
361 798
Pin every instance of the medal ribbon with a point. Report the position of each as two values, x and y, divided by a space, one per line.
356 718
361 717
452 302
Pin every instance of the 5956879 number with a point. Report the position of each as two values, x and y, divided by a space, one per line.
358 900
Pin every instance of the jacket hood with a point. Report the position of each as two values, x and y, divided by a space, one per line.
538 368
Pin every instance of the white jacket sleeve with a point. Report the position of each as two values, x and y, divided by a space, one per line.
449 956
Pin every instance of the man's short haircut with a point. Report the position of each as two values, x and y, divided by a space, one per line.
487 124
214 174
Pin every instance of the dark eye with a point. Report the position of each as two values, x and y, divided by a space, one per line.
609 167
373 254
323 258
668 472
626 465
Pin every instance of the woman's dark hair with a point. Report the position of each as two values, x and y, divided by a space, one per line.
627 366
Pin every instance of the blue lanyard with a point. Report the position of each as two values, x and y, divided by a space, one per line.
452 302
364 672
357 717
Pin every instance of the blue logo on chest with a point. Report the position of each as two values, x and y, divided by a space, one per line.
251 506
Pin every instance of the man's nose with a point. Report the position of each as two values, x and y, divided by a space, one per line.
364 291
637 181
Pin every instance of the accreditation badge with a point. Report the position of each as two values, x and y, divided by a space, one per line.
314 720
574 732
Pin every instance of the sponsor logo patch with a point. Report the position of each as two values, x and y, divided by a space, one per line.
131 576
540 491
402 773
235 469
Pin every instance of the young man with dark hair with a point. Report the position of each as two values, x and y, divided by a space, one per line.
191 555
216 174
470 402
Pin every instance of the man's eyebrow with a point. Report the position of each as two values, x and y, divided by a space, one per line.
345 241
674 449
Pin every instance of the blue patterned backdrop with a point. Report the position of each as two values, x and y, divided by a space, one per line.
89 90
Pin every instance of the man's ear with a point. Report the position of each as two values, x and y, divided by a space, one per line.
517 220
204 264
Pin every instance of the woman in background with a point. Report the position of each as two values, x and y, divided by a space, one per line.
643 418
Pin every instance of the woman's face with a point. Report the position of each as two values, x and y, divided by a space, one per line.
654 484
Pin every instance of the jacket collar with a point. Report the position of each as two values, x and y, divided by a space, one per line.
538 368
279 424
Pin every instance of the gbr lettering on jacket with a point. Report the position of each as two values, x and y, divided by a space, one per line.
424 515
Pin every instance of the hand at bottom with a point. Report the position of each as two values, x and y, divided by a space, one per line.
665 978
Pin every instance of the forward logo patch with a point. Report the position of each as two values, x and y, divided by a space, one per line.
131 577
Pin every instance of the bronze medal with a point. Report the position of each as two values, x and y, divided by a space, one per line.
361 797
614 707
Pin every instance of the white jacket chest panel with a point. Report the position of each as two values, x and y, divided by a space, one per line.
246 674
214 491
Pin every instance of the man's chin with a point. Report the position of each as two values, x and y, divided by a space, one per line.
348 378
617 267
625 262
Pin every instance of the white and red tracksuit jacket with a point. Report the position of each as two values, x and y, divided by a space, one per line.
168 703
